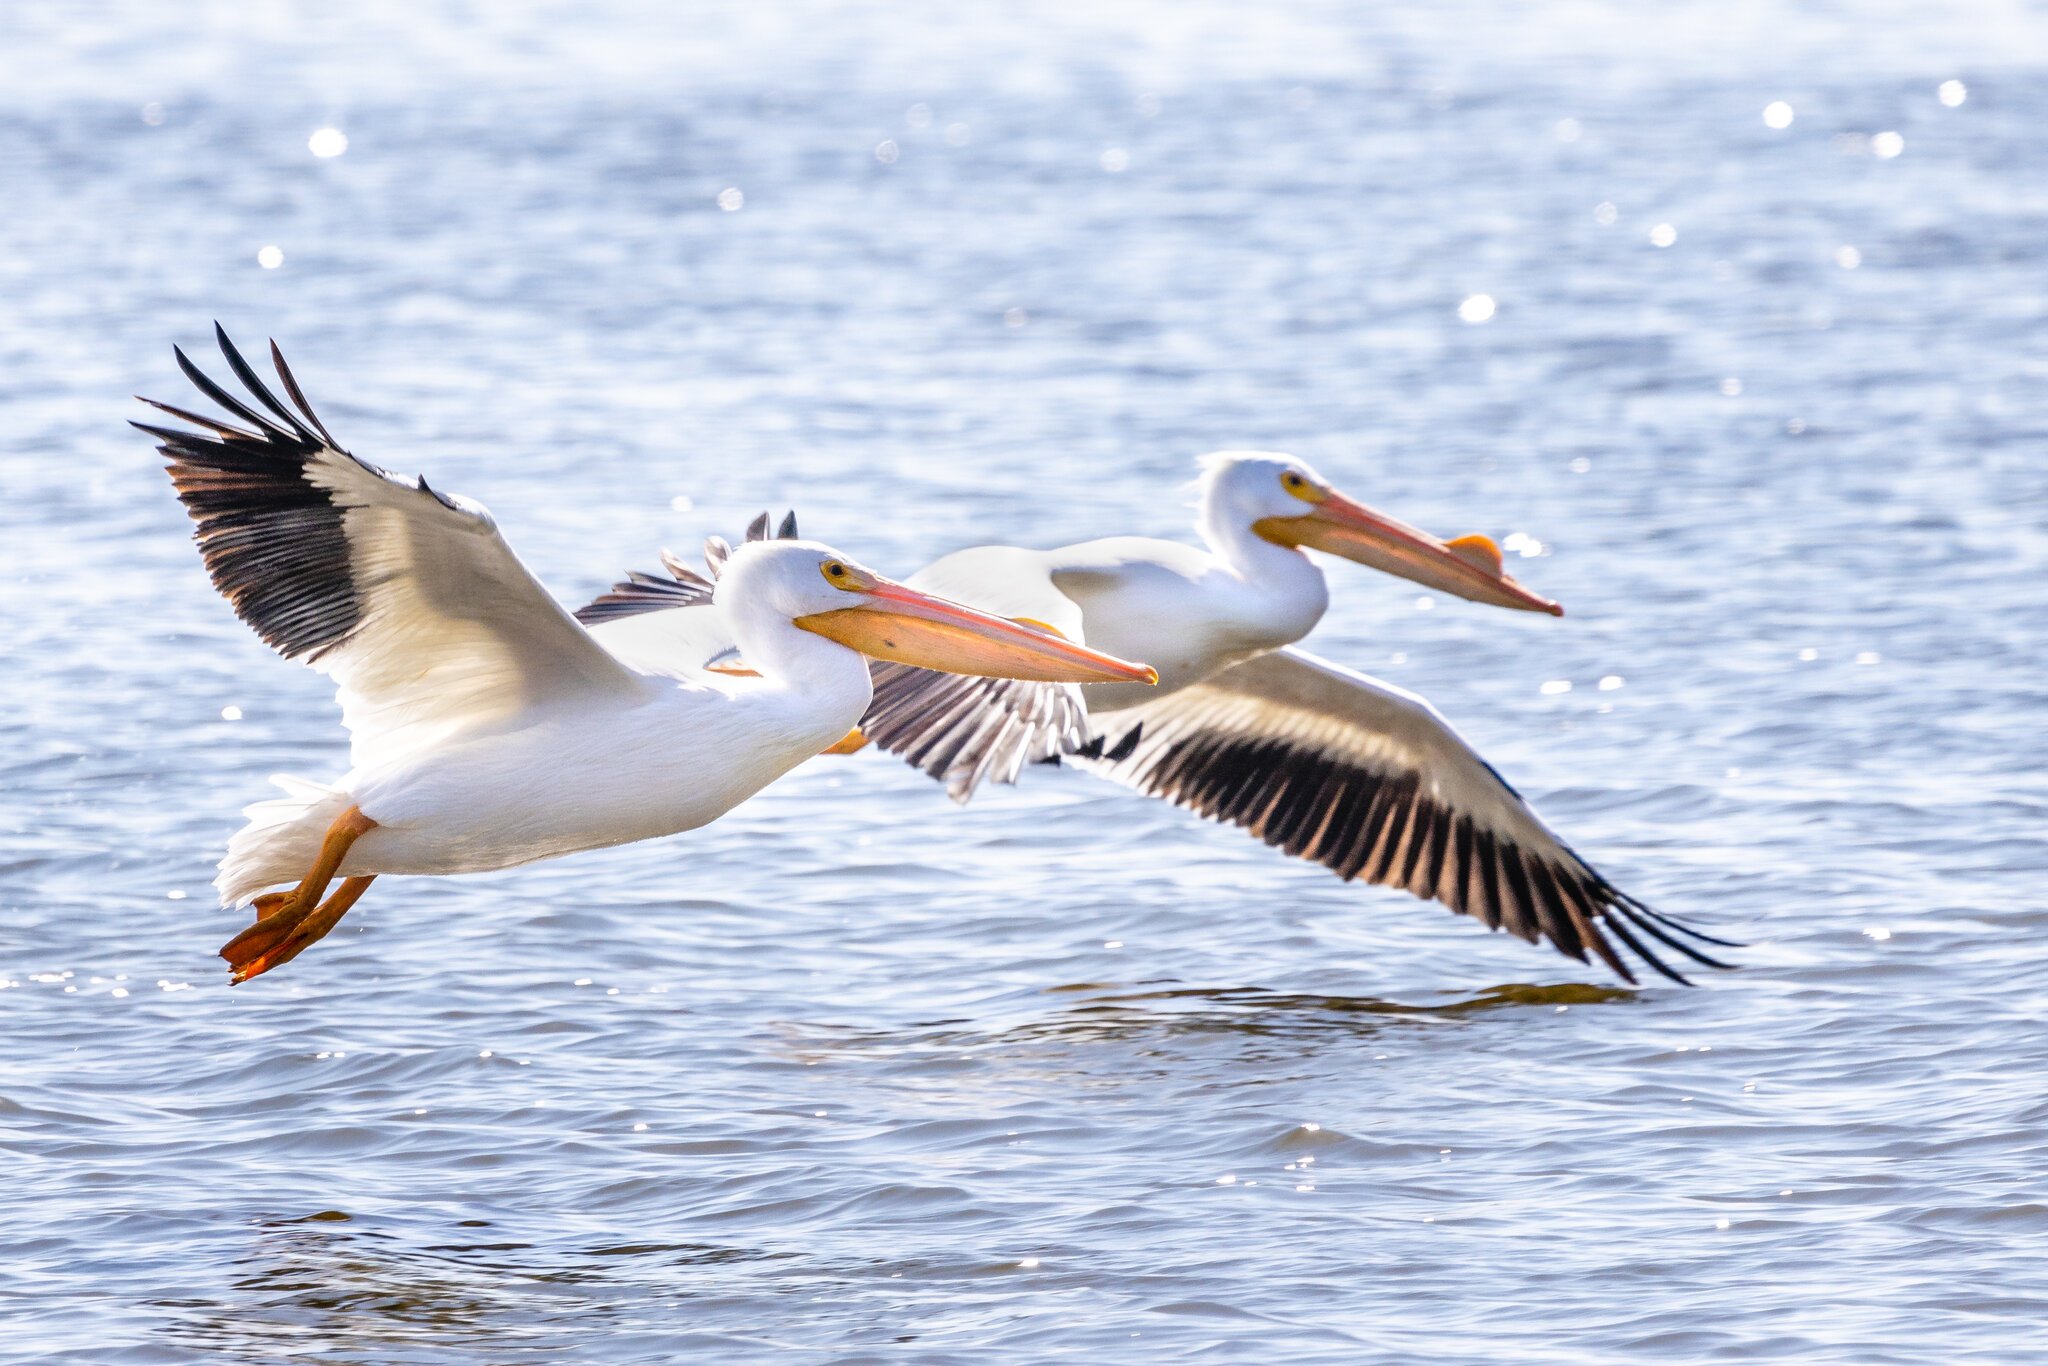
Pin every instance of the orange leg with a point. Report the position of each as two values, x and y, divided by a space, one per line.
290 921
284 944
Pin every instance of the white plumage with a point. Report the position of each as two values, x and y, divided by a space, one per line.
488 727
1319 761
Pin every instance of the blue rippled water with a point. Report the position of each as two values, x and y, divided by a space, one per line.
857 1076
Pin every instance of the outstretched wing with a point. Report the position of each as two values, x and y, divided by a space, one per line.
964 731
408 598
1372 783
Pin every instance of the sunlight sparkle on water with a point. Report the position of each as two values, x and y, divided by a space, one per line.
1611 682
1605 213
1477 308
1952 93
1777 114
271 257
1731 387
327 142
1521 543
1887 145
1556 686
1568 130
1848 258
731 199
1116 159
230 713
918 116
886 151
1663 235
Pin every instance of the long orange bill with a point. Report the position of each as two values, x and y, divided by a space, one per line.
898 623
1469 567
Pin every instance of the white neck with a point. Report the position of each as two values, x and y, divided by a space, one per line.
1288 587
821 681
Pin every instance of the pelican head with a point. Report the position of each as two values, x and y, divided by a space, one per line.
817 589
1284 501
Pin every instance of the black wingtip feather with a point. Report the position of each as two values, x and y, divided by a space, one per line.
291 387
1359 821
205 385
273 541
1674 923
254 383
226 429
1620 928
1661 935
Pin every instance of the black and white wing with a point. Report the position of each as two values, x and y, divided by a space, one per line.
1369 781
966 731
408 598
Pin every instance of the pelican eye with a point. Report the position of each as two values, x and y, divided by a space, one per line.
837 574
1302 487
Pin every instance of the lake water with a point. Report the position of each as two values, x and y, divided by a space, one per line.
854 1075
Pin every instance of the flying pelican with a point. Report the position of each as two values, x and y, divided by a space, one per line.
1316 760
487 727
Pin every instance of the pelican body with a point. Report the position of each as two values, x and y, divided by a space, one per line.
490 728
1249 588
1244 727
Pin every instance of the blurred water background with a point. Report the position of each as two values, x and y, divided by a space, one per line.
857 1076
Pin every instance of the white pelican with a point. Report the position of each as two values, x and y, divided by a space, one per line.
1321 762
487 727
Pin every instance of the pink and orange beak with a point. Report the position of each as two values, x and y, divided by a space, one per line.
899 623
1469 567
